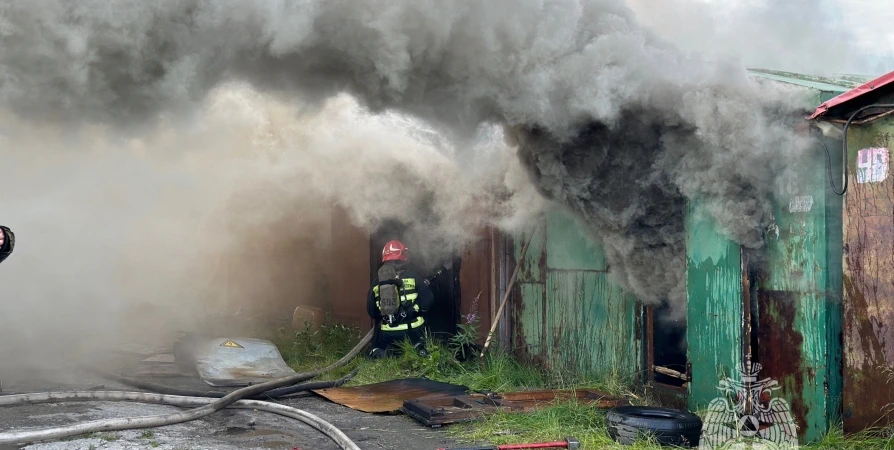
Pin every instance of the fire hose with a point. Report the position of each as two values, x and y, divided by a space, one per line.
269 395
209 406
174 400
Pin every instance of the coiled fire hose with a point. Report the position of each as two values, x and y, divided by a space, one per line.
208 406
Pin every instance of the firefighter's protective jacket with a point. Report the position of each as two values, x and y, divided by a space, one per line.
8 243
416 298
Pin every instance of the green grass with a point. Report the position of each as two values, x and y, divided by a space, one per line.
866 440
587 424
496 372
499 372
581 421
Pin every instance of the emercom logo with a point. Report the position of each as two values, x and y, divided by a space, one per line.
747 416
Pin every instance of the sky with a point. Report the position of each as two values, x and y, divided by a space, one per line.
870 21
822 37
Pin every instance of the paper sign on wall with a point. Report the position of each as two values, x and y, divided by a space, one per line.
872 165
800 203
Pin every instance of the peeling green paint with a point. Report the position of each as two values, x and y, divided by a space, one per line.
799 331
796 310
715 310
570 314
800 307
592 324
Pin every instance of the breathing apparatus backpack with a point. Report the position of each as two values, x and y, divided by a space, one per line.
390 290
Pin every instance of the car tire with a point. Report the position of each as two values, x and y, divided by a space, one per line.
627 424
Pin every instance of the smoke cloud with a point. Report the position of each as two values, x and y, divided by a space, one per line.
607 118
134 238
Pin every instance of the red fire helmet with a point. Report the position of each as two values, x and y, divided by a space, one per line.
394 251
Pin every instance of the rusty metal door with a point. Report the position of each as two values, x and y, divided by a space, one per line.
869 278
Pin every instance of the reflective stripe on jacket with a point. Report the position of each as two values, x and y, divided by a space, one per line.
408 294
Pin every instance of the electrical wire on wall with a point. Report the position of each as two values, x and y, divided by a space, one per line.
844 159
831 175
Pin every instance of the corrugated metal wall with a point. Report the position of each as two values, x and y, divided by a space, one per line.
567 313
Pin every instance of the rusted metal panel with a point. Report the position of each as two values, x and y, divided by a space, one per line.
592 325
388 396
475 282
780 354
447 409
715 312
649 344
349 263
868 278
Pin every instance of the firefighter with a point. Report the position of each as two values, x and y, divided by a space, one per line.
7 242
397 301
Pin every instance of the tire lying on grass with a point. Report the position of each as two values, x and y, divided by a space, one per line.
666 426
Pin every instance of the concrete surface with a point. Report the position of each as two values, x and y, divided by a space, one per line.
225 430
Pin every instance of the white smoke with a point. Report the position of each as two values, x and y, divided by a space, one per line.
136 237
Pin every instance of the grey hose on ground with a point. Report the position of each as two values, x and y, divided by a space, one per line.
130 423
269 395
175 400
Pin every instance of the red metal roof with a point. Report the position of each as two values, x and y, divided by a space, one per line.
858 91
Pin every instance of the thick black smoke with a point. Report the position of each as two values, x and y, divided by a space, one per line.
611 121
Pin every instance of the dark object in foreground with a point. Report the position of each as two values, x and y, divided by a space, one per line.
667 426
8 242
389 396
569 443
444 410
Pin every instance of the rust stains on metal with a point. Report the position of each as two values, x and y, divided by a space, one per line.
868 285
475 281
388 396
349 254
779 349
650 343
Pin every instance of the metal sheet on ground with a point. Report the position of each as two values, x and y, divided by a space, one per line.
388 396
239 361
448 409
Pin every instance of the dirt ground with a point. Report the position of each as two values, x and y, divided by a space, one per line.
225 430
